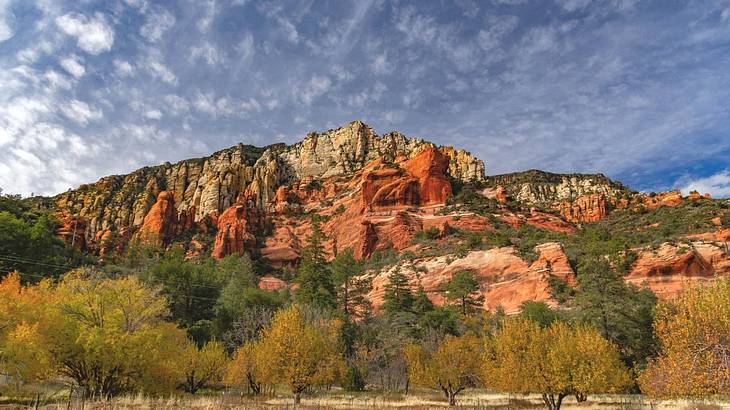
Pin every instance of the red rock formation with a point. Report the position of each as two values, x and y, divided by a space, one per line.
585 208
195 250
670 269
498 193
548 222
160 223
271 283
430 166
72 230
237 226
368 240
283 246
111 241
670 198
421 182
505 279
389 187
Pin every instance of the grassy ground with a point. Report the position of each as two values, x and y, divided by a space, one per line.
421 400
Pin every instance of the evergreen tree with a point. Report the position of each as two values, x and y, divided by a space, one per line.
421 303
398 297
352 289
314 277
620 311
463 291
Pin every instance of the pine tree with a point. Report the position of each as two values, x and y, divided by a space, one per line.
352 289
463 291
620 311
315 280
422 304
398 297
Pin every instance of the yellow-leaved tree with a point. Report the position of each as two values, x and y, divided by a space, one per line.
108 336
202 367
694 333
555 362
298 353
19 306
453 367
241 371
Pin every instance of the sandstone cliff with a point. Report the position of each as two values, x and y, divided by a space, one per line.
205 187
536 187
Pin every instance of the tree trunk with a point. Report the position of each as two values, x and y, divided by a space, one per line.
297 397
581 397
552 402
451 396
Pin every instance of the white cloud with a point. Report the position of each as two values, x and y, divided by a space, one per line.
490 38
246 48
123 68
93 35
176 105
392 117
80 112
73 66
573 5
6 32
159 70
380 64
206 52
57 80
315 87
153 114
157 23
209 104
291 31
210 10
718 185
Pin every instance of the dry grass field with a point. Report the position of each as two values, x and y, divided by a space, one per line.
419 401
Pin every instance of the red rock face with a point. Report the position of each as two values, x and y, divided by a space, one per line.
430 166
237 226
505 279
368 240
195 250
161 221
585 208
421 182
670 269
670 198
498 193
271 283
108 241
72 230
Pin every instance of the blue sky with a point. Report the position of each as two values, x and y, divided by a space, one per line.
637 90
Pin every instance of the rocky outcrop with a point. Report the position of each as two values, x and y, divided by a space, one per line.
206 187
585 208
695 196
497 193
160 223
430 166
237 228
671 268
72 230
544 188
420 182
670 198
368 240
271 283
505 279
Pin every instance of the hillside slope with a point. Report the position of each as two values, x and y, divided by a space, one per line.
397 202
